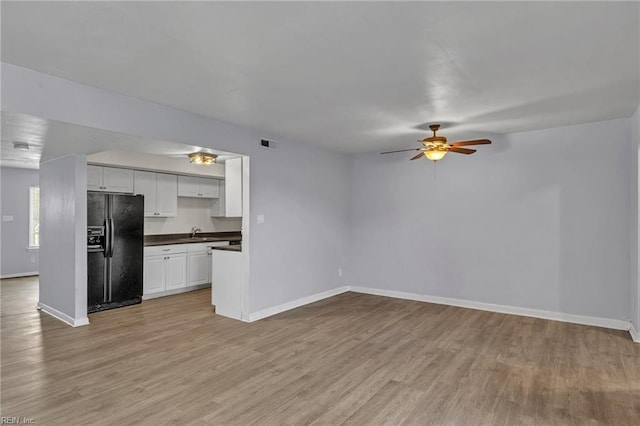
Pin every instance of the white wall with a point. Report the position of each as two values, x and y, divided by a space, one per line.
537 220
301 189
191 212
635 229
15 259
63 245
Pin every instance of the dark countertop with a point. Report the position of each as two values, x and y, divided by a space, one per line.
201 237
236 247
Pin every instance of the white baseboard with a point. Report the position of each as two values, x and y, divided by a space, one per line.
74 322
635 335
20 274
255 316
504 309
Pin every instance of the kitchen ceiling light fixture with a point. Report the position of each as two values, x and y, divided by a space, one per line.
202 158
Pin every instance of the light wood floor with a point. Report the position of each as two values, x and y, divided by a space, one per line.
350 359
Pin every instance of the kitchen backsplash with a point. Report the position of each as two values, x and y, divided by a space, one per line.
191 212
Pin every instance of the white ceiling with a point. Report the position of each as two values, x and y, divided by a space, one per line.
49 139
352 76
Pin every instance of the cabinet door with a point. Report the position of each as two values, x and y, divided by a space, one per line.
117 180
175 268
145 183
218 204
209 188
198 265
153 273
94 178
167 195
188 186
233 187
229 203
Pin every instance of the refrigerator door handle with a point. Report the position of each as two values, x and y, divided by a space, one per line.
105 278
107 238
112 231
108 283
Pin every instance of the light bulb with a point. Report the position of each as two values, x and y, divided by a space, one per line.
435 154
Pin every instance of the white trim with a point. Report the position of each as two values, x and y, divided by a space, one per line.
255 316
31 224
19 274
73 322
33 249
504 309
635 335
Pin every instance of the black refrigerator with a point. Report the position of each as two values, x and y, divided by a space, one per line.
115 245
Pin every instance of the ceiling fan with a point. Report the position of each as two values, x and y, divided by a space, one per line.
436 147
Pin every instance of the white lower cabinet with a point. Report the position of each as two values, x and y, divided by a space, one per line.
165 268
154 274
199 266
175 271
179 266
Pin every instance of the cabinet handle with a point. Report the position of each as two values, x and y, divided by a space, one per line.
166 249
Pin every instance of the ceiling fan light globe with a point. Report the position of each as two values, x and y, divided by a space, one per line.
435 154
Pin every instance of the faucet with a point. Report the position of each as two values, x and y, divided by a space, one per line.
194 231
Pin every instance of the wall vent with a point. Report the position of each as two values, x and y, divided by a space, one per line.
267 144
20 145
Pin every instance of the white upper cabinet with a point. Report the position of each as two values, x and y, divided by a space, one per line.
210 188
229 204
109 179
94 178
145 183
160 192
188 186
191 186
167 200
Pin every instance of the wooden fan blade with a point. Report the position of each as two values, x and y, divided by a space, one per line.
473 142
462 150
418 156
400 150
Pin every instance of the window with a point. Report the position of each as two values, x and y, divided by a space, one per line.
34 217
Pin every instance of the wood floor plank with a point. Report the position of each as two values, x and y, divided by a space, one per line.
350 359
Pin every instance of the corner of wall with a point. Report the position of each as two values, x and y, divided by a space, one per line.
80 240
635 231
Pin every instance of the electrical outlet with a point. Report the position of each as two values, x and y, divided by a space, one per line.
339 272
33 258
260 218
